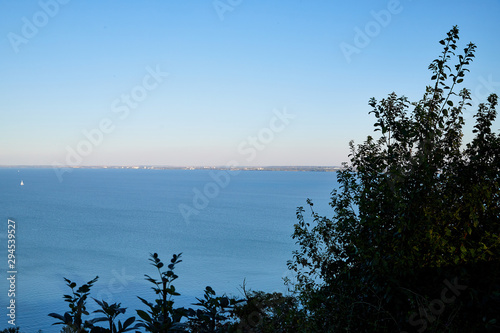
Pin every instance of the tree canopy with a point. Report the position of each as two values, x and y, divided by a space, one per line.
416 218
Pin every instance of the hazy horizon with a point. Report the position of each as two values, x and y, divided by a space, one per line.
168 166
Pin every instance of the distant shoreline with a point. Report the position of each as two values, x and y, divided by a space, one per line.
151 167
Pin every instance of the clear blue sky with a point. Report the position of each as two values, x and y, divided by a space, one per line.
68 66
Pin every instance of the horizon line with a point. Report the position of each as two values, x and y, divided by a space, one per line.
184 167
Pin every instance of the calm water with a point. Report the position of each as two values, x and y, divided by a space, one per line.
106 222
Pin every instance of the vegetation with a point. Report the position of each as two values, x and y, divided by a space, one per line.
257 312
77 302
11 330
413 244
162 316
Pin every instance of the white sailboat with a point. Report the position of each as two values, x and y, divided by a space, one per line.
22 183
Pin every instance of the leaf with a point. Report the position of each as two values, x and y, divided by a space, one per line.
224 302
128 322
67 318
98 302
145 302
57 316
450 103
144 316
96 320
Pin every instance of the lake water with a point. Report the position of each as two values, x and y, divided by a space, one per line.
230 228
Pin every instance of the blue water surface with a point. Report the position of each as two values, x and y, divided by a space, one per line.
230 228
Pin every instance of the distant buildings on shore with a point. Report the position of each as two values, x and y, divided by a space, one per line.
152 167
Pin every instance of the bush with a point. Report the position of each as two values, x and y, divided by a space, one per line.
417 216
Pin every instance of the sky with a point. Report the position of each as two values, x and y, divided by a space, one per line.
224 82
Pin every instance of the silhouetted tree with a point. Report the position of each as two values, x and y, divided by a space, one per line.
414 242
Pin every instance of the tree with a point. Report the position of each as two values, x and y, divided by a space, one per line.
414 241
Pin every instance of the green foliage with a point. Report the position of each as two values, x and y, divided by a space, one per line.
415 207
10 330
257 312
213 314
77 304
268 313
162 316
66 329
73 319
111 311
